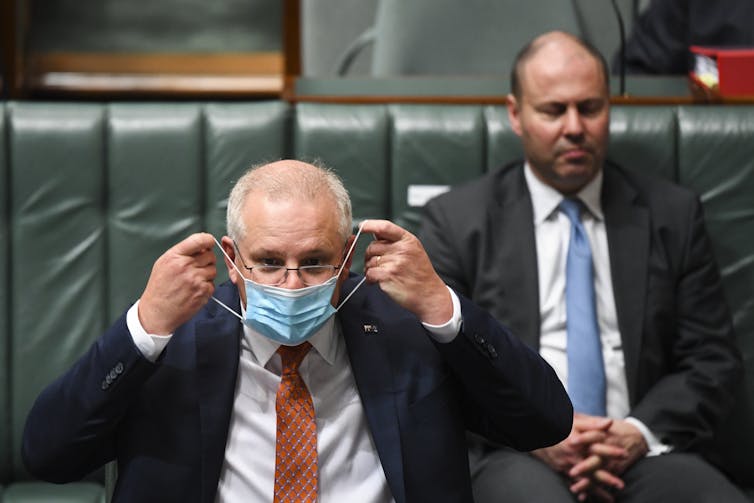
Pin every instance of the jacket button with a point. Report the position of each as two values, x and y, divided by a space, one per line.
491 350
119 368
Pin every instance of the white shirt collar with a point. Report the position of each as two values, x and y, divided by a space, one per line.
545 199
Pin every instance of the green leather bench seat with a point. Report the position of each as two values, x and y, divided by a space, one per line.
56 245
91 194
40 492
720 168
5 435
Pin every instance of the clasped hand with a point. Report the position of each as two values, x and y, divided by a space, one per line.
595 454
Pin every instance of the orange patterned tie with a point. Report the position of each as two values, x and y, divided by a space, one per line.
296 445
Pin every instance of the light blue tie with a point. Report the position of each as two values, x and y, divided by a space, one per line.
586 370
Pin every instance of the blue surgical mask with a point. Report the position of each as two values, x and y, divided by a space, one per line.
288 316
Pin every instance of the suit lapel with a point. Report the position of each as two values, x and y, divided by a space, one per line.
364 333
515 289
628 237
217 355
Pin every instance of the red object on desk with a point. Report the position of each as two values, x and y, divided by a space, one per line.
735 68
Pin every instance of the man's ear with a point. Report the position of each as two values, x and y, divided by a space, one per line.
349 260
514 113
230 251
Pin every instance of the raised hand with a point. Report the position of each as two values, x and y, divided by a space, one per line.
396 260
181 282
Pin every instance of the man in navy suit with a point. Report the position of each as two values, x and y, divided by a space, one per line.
182 395
667 346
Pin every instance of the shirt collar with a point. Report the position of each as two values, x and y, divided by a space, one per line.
545 199
326 341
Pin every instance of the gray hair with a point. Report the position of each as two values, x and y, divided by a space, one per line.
288 179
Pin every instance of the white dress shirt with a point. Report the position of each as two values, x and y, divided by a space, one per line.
349 467
552 231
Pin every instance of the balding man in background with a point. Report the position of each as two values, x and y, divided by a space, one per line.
610 275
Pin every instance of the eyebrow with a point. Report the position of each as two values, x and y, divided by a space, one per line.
555 102
276 253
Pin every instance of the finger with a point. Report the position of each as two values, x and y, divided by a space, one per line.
195 243
205 258
580 486
208 273
374 261
608 451
587 437
202 291
606 478
383 230
585 467
377 255
378 271
376 249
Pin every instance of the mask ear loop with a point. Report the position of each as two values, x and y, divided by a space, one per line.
237 270
350 250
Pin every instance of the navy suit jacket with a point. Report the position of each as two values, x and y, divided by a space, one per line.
680 359
166 423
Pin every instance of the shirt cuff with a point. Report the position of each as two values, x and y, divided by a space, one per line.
655 445
149 345
449 330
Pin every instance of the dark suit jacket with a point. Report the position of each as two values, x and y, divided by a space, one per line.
676 330
167 423
661 36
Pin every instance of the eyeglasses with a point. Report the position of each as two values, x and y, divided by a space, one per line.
310 275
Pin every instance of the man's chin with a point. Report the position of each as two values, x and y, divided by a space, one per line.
574 177
580 160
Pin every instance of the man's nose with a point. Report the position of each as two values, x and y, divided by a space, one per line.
573 126
292 280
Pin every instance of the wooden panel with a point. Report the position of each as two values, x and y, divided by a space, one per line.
164 73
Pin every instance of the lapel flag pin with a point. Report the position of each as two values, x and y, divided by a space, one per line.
370 329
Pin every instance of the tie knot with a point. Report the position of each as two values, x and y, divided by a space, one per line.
572 209
292 356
